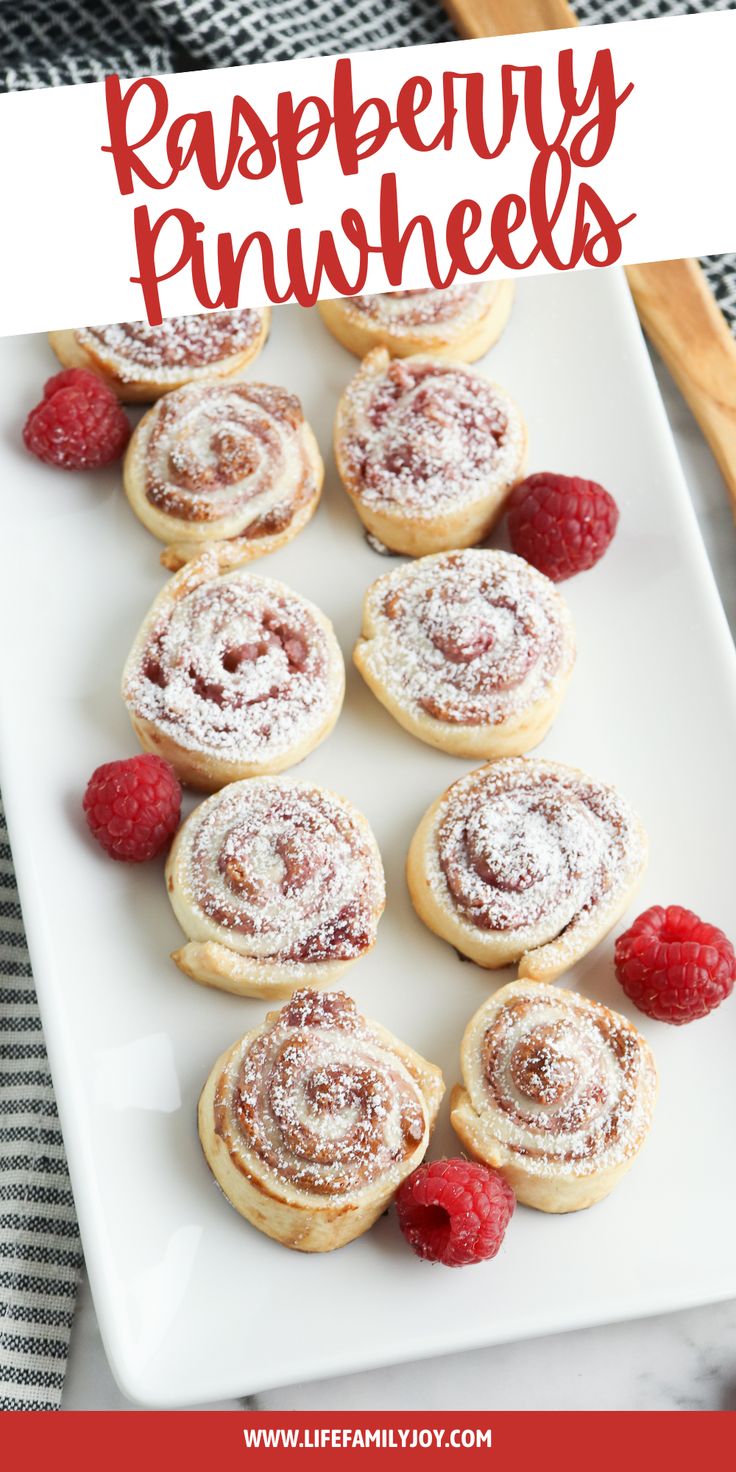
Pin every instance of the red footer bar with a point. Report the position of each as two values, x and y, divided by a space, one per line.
520 1441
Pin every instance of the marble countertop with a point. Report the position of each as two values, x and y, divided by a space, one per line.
682 1361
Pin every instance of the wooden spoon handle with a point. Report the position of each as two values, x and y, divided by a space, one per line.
476 18
684 323
675 304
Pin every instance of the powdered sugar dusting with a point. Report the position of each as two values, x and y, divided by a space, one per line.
565 1085
283 872
321 1101
468 638
531 847
421 435
230 452
136 350
425 313
238 666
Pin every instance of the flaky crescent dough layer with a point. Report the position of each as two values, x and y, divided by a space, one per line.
141 362
558 1094
428 451
232 461
278 885
469 651
462 322
526 860
232 675
310 1122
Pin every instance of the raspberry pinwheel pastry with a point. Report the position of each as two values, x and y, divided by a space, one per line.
526 860
141 362
558 1094
311 1121
217 461
278 884
232 675
428 451
470 651
461 322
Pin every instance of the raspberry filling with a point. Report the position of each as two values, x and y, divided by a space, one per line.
461 646
434 424
277 636
426 436
237 664
524 844
562 1081
321 1101
421 308
284 873
233 458
543 1069
179 342
217 451
470 638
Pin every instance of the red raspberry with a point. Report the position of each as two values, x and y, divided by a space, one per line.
79 423
455 1211
133 807
674 966
562 524
74 378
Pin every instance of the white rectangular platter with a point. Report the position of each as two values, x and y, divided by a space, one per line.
194 1304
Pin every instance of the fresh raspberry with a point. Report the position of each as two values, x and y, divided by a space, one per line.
562 524
455 1211
79 423
133 807
74 378
674 966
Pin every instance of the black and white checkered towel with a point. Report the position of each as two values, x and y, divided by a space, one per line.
44 45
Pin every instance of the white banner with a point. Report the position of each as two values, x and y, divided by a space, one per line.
561 150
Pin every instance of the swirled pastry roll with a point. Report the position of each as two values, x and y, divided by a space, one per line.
141 362
278 884
461 322
470 651
558 1094
232 462
232 675
311 1121
526 860
428 451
